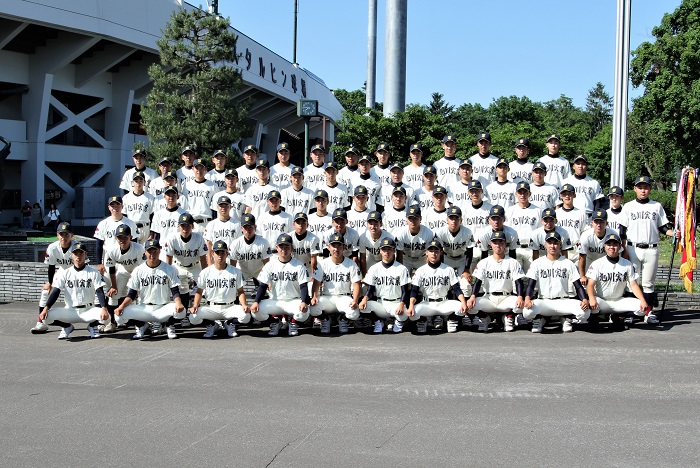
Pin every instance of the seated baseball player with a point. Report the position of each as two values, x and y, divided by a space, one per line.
249 252
288 282
433 281
80 284
220 284
388 289
607 279
156 285
551 275
350 236
336 287
499 277
592 242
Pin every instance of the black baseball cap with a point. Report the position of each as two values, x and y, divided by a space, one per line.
483 136
399 189
498 235
567 188
172 174
553 136
331 165
522 186
553 235
284 239
199 162
321 194
434 244
262 163
613 238
375 216
642 180
336 239
395 166
297 170
416 147
383 147
387 242
138 153
223 200
123 230
365 157
501 161
352 150
219 245
475 185
440 190
581 157
522 142
449 137
248 220
230 172
360 190
600 214
165 161
170 188
301 215
615 190
251 148
64 227
185 218
497 210
429 170
549 213
539 165
413 212
282 147
274 194
80 246
187 148
318 147
339 213
139 174
465 162
454 211
219 152
152 244
115 199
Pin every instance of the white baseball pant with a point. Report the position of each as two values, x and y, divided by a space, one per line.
219 312
142 233
187 273
620 306
646 262
334 305
149 313
122 290
556 307
524 256
493 304
279 307
444 307
386 309
73 315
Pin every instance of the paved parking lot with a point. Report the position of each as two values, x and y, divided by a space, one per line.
466 399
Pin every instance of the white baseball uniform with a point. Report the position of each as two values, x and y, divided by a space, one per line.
381 174
459 195
149 175
337 290
124 262
592 246
237 203
434 219
394 219
373 186
154 288
218 177
588 190
270 225
284 281
165 223
256 198
544 196
139 209
614 218
520 170
558 169
434 284
537 240
524 221
247 176
611 279
447 171
304 248
484 168
388 191
498 283
226 231
249 255
196 199
280 175
184 175
315 176
106 231
553 279
370 247
297 201
455 247
413 245
337 197
186 256
220 289
501 193
358 219
413 176
320 225
78 288
352 240
387 282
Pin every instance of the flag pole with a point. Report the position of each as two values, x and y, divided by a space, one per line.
668 278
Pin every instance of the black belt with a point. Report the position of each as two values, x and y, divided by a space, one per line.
187 266
200 221
140 225
221 303
558 297
439 299
642 245
524 246
458 257
82 306
500 293
151 303
396 299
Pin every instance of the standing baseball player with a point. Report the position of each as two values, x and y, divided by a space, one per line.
221 285
315 173
81 286
280 172
549 225
218 174
502 190
105 232
520 167
447 166
288 282
423 196
337 193
320 221
413 239
138 207
558 168
169 179
459 192
296 198
149 174
337 279
256 195
524 217
380 172
615 196
165 220
433 281
249 252
156 186
475 215
231 192
458 245
394 216
542 194
197 196
351 169
275 221
223 228
483 162
357 215
186 172
589 194
413 173
157 287
365 178
552 275
350 236
574 220
247 175
496 219
436 217
592 243
371 241
306 246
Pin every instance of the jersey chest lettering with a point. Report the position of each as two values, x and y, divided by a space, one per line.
221 283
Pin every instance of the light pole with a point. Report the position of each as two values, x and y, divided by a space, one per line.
296 14
622 66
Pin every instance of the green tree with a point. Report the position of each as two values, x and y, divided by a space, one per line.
352 101
194 85
439 107
598 108
598 151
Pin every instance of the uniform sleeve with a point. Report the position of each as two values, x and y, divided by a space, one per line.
369 277
573 270
208 231
99 231
592 272
405 276
355 274
479 270
517 271
264 276
58 279
125 183
48 259
109 261
533 271
98 280
133 282
303 274
168 247
318 274
174 277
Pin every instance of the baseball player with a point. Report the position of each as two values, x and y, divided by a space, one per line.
496 219
436 217
499 277
459 192
524 217
156 285
520 167
274 222
380 172
434 281
220 284
501 191
256 195
350 236
423 196
538 236
58 257
306 246
483 162
371 240
351 169
81 285
457 244
319 221
280 172
164 222
475 215
413 239
155 188
615 196
337 279
357 215
105 232
218 174
186 172
296 198
197 196
337 193
395 182
574 220
149 174
558 168
551 275
542 194
169 179
608 277
643 220
365 178
138 207
589 194
592 243
315 173
249 252
394 216
447 166
388 289
223 228
413 173
288 282
247 175
232 193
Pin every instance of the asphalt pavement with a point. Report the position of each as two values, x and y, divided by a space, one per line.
588 398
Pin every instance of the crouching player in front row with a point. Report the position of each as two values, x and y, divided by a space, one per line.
434 281
157 286
607 279
499 277
220 283
80 285
551 275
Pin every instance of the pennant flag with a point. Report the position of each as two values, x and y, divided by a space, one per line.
685 223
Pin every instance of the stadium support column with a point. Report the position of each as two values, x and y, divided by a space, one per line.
395 57
620 99
371 87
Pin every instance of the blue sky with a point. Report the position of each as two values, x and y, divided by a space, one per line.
471 51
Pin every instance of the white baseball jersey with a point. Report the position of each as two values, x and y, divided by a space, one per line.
643 221
185 252
393 220
611 278
128 177
501 193
381 174
56 256
196 198
459 195
305 247
424 198
484 168
218 177
337 197
553 277
593 247
434 219
184 175
524 221
237 203
247 176
153 284
498 276
127 261
157 187
345 175
297 201
374 189
358 220
280 175
587 189
78 286
558 169
447 171
388 190
435 283
483 238
413 245
351 237
271 225
165 222
371 247
226 231
284 279
575 221
614 218
138 208
249 255
337 279
220 285
544 196
520 171
476 217
319 225
413 176
455 245
537 239
107 228
387 281
256 198
315 176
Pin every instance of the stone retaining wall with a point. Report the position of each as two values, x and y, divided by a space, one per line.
25 251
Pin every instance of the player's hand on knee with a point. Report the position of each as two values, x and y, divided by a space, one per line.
519 303
46 287
104 315
363 303
314 301
471 302
528 303
584 280
44 313
112 292
353 304
592 303
399 310
303 307
584 304
118 311
410 312
255 308
194 309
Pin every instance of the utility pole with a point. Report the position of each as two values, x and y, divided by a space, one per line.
294 52
620 96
